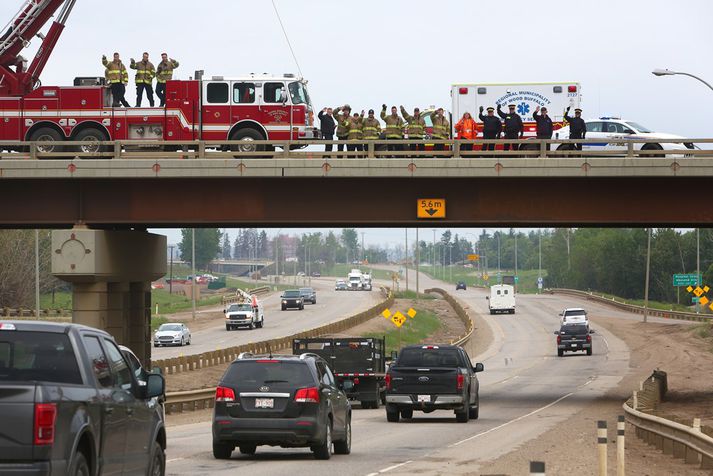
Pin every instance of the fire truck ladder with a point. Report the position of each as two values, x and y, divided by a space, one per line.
20 23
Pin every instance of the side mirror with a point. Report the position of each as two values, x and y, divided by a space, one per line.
478 367
225 311
560 314
155 385
394 354
487 298
347 385
556 333
591 331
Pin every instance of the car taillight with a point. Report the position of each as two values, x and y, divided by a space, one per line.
45 417
589 338
572 89
459 381
559 339
307 395
224 394
387 381
356 380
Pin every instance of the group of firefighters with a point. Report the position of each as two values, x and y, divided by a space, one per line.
348 126
117 76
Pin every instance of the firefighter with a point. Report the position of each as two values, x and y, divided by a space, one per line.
394 127
341 115
467 131
371 128
512 123
577 127
327 125
492 127
164 73
355 131
145 72
441 128
544 124
416 127
116 76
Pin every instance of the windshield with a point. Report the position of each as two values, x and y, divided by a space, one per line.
253 374
169 327
42 356
639 127
574 330
298 92
419 357
292 294
239 307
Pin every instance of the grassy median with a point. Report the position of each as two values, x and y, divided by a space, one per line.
414 331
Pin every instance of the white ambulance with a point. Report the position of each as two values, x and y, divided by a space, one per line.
556 97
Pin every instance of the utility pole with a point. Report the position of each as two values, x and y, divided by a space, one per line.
648 268
418 260
170 273
433 253
539 266
363 254
37 273
406 258
499 273
193 265
698 266
516 232
450 262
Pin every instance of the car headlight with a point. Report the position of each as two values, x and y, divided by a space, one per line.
284 301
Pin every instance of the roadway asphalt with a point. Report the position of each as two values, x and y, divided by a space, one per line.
331 306
525 390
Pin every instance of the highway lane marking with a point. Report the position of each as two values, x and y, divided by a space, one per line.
522 417
173 459
386 470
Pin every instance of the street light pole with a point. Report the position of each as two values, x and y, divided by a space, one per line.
698 266
406 258
539 253
433 253
516 280
646 284
193 265
418 261
37 273
170 280
666 72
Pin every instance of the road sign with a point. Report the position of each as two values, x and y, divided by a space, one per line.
431 208
398 319
486 277
540 281
517 279
539 285
694 299
685 280
473 257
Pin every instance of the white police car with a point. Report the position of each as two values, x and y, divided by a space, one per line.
609 129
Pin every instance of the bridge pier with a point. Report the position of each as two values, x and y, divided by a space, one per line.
111 274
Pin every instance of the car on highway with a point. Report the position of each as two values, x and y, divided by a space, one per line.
573 315
173 333
614 132
574 338
292 299
291 401
244 314
316 274
309 295
460 285
70 404
341 285
432 377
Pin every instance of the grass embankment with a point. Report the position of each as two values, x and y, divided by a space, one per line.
704 331
412 332
662 306
527 278
412 295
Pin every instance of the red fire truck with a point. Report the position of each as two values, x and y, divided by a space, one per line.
247 108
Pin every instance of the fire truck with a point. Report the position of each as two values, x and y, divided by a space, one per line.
556 97
246 108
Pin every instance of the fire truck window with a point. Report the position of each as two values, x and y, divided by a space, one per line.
217 93
243 93
273 92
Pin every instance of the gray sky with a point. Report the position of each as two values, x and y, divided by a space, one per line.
410 51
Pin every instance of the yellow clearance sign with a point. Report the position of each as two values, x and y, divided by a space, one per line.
431 208
473 257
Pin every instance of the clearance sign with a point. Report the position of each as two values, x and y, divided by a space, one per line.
431 208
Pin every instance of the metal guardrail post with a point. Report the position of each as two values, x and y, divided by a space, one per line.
456 149
370 148
537 468
602 446
630 149
201 149
543 149
117 150
33 151
620 446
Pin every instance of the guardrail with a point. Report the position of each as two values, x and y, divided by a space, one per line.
529 147
460 312
203 398
693 443
679 315
21 312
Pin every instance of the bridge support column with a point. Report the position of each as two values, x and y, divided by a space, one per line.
111 274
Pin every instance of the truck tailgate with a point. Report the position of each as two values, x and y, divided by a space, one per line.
17 406
436 380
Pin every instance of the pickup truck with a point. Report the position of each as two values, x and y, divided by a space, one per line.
70 404
430 378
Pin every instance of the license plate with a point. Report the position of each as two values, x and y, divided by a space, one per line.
424 398
264 403
574 345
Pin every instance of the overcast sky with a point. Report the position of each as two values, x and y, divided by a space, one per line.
410 51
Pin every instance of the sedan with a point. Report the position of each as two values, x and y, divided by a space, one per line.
172 334
292 299
460 285
309 295
341 285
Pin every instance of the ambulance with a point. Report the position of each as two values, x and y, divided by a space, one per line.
556 97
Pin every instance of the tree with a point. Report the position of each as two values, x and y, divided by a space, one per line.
207 245
227 249
350 240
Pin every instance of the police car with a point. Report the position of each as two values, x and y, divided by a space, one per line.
609 129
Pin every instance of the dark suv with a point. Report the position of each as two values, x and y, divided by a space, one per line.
291 401
292 298
574 337
309 295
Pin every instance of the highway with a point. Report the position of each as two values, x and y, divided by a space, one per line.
525 390
331 306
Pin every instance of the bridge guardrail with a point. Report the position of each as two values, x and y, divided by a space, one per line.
690 443
20 313
679 315
530 147
460 312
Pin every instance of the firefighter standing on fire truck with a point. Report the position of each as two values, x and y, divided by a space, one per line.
341 116
145 72
492 127
394 127
164 73
116 76
441 128
512 123
415 128
577 127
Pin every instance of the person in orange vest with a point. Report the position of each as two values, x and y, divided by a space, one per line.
466 130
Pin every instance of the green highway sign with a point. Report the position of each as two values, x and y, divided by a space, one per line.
685 280
694 299
517 279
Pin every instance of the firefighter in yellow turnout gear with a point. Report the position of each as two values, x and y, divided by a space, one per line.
416 128
145 73
441 128
394 127
354 127
164 73
116 77
371 128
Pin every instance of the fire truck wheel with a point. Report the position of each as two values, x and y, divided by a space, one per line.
48 139
90 139
247 136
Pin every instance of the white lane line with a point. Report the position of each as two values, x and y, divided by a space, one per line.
385 470
513 421
173 459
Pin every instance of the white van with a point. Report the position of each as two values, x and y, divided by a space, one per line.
502 298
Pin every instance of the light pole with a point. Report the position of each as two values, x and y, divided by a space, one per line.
667 72
499 273
698 266
406 258
646 283
37 273
363 254
433 253
516 279
193 265
170 281
418 260
539 266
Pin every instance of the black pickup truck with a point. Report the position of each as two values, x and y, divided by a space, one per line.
432 377
359 360
70 404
